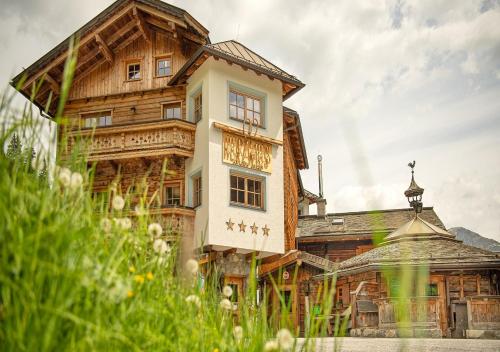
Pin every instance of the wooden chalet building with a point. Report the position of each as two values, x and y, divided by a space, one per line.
420 282
150 88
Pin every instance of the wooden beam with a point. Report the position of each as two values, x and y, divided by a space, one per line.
88 57
54 85
89 70
141 24
105 50
161 14
129 40
229 251
83 41
122 31
160 24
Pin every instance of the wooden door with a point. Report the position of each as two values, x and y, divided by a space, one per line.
289 295
443 309
461 321
236 283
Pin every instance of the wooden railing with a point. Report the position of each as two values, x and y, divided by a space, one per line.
413 312
175 221
483 312
135 140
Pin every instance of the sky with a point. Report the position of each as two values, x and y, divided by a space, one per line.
387 82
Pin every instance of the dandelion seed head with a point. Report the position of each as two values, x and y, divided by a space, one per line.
155 230
76 180
160 246
271 346
64 176
227 291
118 202
194 299
106 225
238 333
192 266
125 223
285 339
226 304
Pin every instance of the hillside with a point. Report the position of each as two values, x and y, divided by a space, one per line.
474 239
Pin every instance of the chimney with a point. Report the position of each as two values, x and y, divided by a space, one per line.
321 202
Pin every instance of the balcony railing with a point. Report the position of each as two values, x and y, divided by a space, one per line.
157 138
483 312
176 221
415 312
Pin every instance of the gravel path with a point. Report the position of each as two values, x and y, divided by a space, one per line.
360 344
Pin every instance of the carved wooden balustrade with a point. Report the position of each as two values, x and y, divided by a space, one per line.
176 221
483 312
159 138
415 312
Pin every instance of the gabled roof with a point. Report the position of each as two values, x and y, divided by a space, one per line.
313 198
119 24
295 255
235 52
361 224
294 129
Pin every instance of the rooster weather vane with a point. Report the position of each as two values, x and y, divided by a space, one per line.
414 192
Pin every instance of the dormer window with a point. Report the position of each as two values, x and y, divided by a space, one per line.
134 71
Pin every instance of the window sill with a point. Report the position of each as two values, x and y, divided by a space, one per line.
238 120
133 80
168 76
237 205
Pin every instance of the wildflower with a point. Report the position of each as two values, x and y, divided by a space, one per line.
192 266
140 211
139 279
160 246
155 230
215 349
64 176
227 291
271 345
131 269
106 225
130 293
125 223
285 339
238 333
118 202
149 276
226 304
76 180
194 300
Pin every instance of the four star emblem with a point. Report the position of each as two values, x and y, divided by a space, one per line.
242 226
229 224
254 228
265 230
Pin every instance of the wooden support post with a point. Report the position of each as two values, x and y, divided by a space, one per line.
104 48
142 24
54 85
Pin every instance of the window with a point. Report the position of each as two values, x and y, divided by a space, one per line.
97 119
134 71
431 290
246 191
244 107
196 191
197 102
163 67
172 111
172 195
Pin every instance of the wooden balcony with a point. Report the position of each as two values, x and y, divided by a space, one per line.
176 221
483 312
416 312
159 138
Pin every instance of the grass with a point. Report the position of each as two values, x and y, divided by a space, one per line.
68 283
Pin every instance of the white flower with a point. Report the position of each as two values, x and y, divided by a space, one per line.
192 266
194 300
227 291
125 223
118 203
76 180
226 304
155 230
271 345
140 211
160 246
285 339
106 225
64 176
238 333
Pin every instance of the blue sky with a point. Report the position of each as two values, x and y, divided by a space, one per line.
386 82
